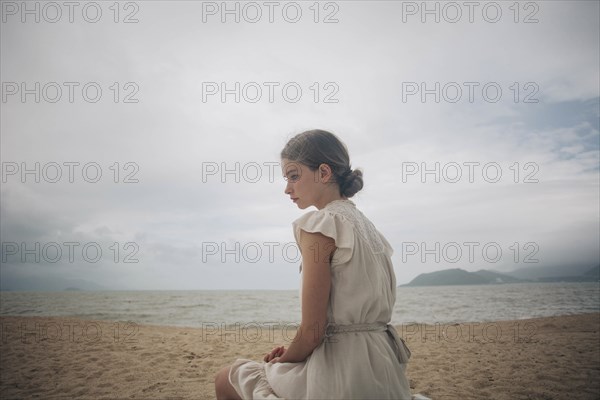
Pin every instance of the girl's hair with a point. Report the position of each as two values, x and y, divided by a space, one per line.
315 147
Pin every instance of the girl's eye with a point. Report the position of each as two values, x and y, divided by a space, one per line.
292 178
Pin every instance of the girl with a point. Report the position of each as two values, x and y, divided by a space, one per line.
345 347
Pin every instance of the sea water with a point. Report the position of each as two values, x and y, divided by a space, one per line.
428 305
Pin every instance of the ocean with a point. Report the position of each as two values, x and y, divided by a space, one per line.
426 305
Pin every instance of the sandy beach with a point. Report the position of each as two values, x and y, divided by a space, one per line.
544 358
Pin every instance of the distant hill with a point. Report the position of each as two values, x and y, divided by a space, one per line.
537 272
594 272
46 284
455 276
496 277
459 276
591 275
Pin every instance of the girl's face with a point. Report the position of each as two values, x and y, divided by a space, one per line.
303 185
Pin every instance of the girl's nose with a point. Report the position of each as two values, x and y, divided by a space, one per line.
288 187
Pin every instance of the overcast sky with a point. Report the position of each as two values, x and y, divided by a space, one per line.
502 100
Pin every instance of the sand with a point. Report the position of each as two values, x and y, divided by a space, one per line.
545 358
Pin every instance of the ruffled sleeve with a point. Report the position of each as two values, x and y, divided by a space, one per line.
387 247
332 225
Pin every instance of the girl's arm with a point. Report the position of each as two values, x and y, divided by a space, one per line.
316 250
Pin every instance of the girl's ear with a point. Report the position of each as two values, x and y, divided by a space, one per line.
325 172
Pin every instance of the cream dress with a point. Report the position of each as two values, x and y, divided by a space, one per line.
362 356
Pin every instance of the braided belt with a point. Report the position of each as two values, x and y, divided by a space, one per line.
401 349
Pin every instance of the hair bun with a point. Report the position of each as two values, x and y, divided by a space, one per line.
352 182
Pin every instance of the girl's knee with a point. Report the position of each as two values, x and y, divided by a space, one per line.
223 388
222 376
222 372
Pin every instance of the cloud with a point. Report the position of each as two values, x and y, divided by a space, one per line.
518 98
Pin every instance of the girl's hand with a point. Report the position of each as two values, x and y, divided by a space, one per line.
275 353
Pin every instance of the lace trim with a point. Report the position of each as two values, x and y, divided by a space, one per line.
365 228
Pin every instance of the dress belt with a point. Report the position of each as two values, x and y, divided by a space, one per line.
401 349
